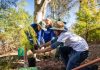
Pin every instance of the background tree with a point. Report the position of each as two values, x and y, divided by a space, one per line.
60 8
57 8
10 22
88 23
40 9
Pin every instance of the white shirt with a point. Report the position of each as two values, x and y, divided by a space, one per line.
73 40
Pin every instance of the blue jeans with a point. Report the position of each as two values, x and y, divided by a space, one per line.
64 53
75 58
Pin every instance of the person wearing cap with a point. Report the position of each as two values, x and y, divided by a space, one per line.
39 29
66 38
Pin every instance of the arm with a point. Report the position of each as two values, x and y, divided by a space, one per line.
53 46
43 50
50 42
46 44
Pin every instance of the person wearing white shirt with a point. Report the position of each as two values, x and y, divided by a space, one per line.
77 45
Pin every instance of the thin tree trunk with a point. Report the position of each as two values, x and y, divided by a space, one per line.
40 10
25 58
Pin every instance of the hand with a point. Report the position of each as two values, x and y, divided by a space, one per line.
37 51
36 47
43 45
40 51
29 53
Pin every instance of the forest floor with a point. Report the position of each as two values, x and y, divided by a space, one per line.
45 64
50 64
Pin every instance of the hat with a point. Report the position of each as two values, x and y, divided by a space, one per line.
42 24
59 25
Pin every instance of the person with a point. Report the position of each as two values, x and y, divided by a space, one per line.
49 33
67 39
39 29
47 36
43 31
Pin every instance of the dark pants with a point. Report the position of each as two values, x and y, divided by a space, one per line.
64 52
76 58
72 58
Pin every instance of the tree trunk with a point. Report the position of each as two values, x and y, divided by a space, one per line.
40 10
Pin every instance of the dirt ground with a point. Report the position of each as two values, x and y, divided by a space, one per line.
52 63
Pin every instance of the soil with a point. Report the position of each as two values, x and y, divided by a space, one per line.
55 64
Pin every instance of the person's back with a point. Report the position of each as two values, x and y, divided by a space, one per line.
79 48
74 41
